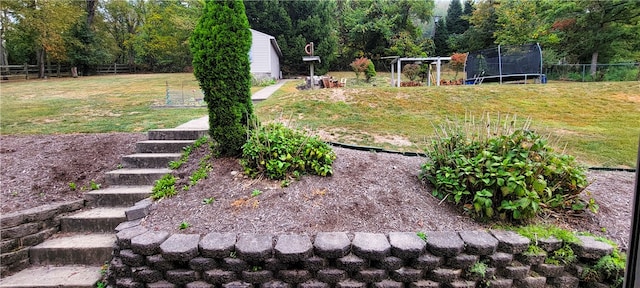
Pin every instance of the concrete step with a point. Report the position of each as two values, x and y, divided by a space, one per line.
130 176
52 276
117 196
162 146
176 134
149 160
102 219
91 249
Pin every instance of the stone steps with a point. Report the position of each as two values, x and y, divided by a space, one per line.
101 219
89 249
116 196
74 259
76 276
135 176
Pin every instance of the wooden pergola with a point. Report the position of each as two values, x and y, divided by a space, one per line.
397 61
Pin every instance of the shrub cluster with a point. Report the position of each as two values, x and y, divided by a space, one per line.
277 152
513 175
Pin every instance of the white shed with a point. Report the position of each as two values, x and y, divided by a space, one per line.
264 56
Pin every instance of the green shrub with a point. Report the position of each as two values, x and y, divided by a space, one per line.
220 46
370 72
497 170
164 187
277 152
411 71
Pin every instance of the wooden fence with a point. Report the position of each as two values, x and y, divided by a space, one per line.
16 72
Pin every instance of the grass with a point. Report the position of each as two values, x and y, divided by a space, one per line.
599 122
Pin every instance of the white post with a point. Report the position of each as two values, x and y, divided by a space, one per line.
429 74
313 86
392 79
399 71
438 72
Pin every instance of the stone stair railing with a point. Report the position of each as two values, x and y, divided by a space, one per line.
84 241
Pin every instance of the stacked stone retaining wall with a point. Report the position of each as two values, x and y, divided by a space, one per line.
144 258
24 229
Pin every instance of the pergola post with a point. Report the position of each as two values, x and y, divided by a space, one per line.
438 72
399 70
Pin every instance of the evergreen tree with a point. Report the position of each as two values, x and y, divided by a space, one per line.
440 39
455 24
466 13
220 46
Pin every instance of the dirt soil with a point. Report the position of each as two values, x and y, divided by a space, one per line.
369 192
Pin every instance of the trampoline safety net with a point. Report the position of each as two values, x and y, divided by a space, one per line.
505 63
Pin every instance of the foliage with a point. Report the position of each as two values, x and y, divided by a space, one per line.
262 82
186 152
479 269
277 152
360 65
207 201
256 193
370 72
562 256
440 39
455 23
184 225
422 236
93 185
220 46
164 187
73 186
201 173
457 62
497 169
411 71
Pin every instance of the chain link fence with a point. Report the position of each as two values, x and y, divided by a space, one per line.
604 72
184 93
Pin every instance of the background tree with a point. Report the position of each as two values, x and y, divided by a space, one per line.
440 39
220 45
521 22
455 23
483 24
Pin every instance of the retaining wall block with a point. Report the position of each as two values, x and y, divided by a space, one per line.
218 276
8 245
237 284
180 247
146 274
293 248
331 276
479 242
445 244
510 242
549 270
119 269
590 248
161 284
199 284
127 225
20 230
515 272
313 284
15 256
550 244
201 264
217 245
275 284
462 261
274 264
71 206
500 259
462 284
372 246
424 284
444 275
128 283
406 275
564 281
501 283
149 242
389 263
531 282
406 245
388 284
371 275
427 262
350 263
257 277
294 276
234 264
332 244
123 238
181 276
254 247
37 238
130 258
349 283
314 263
531 259
159 263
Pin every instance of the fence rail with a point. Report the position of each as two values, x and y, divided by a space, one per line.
25 71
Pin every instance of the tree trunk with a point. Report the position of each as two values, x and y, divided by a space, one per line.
40 55
91 11
74 72
594 64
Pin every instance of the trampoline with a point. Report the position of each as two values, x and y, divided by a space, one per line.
505 64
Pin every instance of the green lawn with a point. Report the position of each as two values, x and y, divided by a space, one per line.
598 122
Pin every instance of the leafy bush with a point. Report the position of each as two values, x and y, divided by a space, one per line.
220 47
411 71
278 152
370 72
359 66
165 187
493 169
